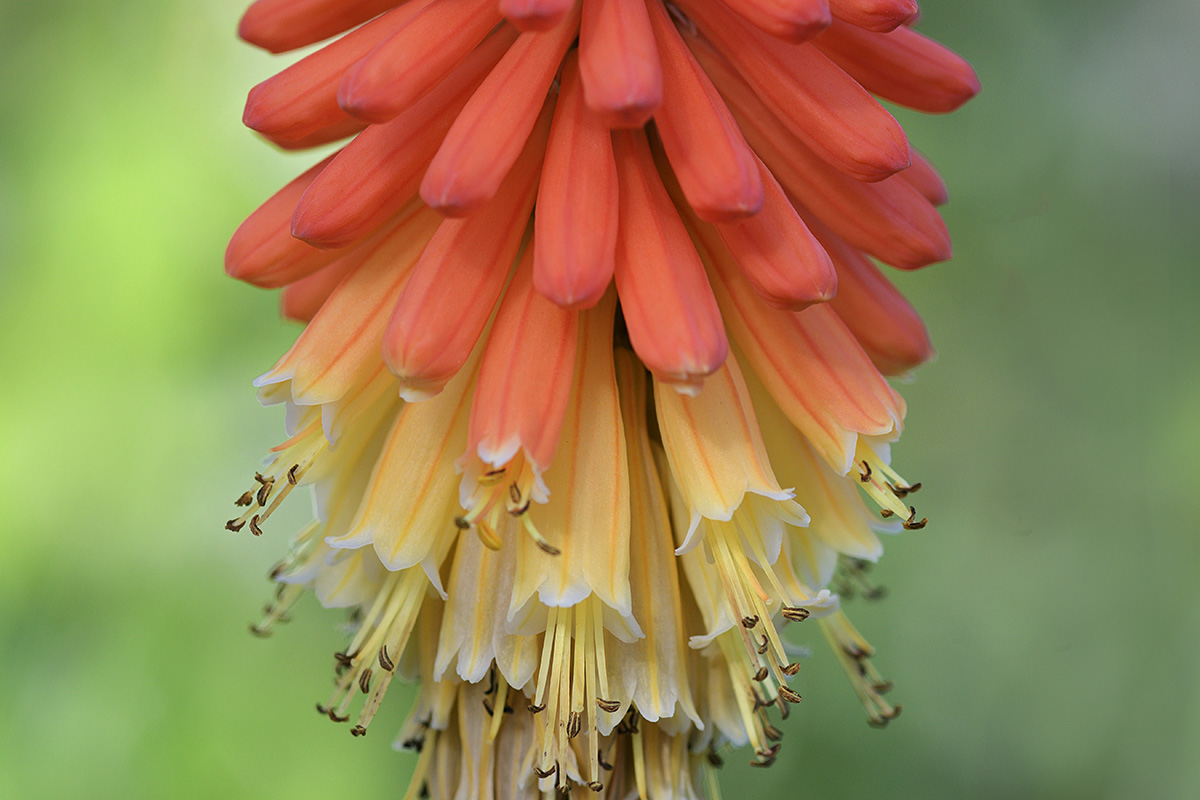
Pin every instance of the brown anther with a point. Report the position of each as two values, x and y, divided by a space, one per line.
257 531
364 680
900 490
536 710
333 716
750 621
385 660
264 491
595 786
549 549
766 763
292 477
276 571
516 512
769 752
491 473
715 759
358 730
794 614
883 687
600 760
608 705
235 525
761 675
790 669
855 652
259 478
772 733
545 773
574 724
886 513
343 658
246 499
514 493
764 645
489 708
462 524
785 710
260 631
789 694
866 476
911 524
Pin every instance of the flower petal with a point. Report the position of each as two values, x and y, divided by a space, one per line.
888 219
455 285
902 66
886 325
301 101
341 344
875 15
790 20
812 366
587 517
489 133
622 79
263 251
823 107
576 220
535 15
374 175
282 25
525 377
668 306
715 167
413 58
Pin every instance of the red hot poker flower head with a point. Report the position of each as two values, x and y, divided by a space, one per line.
591 392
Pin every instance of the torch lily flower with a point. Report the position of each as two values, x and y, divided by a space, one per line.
592 390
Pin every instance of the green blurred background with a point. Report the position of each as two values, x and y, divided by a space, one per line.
1042 631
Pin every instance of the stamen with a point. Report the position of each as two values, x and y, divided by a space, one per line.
885 486
853 654
509 488
572 686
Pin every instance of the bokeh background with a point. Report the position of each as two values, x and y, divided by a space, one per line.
1043 631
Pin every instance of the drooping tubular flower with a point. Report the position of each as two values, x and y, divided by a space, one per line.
592 387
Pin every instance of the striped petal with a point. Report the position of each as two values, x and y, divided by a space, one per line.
715 167
374 175
823 107
432 330
490 132
413 58
576 220
622 79
668 306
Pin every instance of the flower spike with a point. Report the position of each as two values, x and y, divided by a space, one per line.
546 486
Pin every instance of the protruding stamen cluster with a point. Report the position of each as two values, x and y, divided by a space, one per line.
381 639
505 491
853 654
573 691
885 486
292 459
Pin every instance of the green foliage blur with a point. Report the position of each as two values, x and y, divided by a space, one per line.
1042 631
